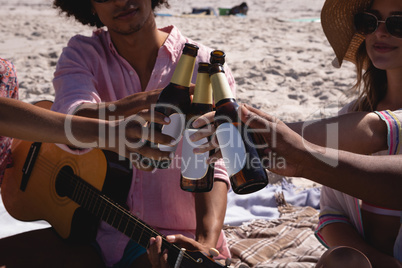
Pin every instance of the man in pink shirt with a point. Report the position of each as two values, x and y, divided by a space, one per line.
119 71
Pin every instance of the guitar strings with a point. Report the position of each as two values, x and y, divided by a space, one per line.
76 179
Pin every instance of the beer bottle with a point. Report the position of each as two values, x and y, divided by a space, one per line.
238 146
174 101
196 174
217 56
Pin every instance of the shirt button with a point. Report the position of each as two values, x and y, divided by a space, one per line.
131 73
137 180
138 213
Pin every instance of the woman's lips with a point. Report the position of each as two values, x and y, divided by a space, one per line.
383 48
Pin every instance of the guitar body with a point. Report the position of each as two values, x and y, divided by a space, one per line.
43 197
74 192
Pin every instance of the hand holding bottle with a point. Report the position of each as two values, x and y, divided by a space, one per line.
129 138
284 145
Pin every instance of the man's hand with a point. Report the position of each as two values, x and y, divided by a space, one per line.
158 258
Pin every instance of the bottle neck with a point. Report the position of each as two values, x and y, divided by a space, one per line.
184 71
203 89
221 87
223 101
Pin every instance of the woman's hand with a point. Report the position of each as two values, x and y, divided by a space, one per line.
287 151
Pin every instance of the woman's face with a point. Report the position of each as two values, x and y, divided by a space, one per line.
124 17
384 50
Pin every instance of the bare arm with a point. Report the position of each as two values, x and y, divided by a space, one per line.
28 122
124 107
344 171
342 234
211 210
358 132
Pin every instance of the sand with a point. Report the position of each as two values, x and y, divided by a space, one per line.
278 53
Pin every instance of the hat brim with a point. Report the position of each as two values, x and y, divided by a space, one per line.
337 22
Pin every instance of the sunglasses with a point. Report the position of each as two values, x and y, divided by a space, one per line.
367 23
101 1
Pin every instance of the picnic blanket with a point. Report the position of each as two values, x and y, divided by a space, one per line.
262 204
288 241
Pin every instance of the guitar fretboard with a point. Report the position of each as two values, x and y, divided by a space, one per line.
112 213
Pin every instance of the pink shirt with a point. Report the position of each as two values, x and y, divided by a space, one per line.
91 70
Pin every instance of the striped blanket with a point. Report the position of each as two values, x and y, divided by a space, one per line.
288 241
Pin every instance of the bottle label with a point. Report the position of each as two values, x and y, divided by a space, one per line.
184 71
193 166
219 81
232 147
174 129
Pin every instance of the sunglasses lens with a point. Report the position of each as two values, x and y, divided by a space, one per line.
394 26
101 1
365 23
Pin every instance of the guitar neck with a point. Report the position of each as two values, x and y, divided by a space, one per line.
114 214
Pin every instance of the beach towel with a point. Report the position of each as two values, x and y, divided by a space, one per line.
284 242
262 204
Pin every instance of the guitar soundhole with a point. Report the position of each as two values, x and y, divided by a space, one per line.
64 182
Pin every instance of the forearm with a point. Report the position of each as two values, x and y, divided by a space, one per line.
211 209
375 179
121 108
28 122
342 234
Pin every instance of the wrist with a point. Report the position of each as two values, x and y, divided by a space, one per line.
316 160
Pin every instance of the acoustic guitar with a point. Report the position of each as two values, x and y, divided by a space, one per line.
74 192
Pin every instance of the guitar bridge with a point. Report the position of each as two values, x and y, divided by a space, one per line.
29 164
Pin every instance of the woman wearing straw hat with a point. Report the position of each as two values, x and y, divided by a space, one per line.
369 34
365 165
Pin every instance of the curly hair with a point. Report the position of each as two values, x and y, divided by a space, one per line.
82 10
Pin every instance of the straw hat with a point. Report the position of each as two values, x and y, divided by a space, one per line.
337 23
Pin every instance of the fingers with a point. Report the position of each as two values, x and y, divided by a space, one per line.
156 257
204 132
208 146
136 127
184 242
204 120
215 157
190 244
255 118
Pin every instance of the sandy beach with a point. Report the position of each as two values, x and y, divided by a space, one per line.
278 53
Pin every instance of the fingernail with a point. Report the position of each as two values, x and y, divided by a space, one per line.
167 119
195 124
192 137
151 242
196 151
170 238
171 155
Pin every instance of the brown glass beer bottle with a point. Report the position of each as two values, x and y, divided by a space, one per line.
174 101
196 174
237 145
